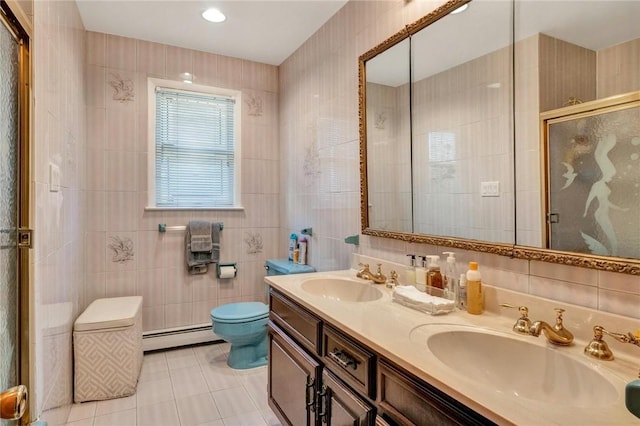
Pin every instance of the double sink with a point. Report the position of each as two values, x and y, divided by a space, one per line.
502 362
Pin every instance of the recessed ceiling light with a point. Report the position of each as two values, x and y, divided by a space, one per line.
187 77
460 9
213 15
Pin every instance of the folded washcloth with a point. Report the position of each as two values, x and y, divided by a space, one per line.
200 236
413 298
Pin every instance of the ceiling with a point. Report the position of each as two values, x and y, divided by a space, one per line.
266 31
486 26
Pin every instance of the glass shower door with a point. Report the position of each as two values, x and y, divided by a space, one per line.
13 397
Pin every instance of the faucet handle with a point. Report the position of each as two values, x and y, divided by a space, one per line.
523 324
393 279
379 268
598 348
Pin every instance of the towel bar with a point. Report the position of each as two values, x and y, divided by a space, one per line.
162 227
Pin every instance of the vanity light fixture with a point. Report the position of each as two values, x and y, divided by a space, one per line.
460 9
213 15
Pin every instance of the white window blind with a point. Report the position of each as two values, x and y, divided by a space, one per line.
194 149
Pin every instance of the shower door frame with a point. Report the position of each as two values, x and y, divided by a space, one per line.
24 178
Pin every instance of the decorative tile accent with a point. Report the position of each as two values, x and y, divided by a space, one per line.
123 88
380 120
311 161
254 243
255 105
122 249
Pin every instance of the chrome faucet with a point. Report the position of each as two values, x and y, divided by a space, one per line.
366 274
557 334
598 348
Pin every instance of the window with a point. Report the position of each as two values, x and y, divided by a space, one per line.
194 146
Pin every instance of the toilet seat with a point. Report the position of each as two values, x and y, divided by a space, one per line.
240 312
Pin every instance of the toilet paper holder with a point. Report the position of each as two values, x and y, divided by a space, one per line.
225 266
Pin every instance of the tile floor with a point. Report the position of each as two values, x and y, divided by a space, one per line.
186 386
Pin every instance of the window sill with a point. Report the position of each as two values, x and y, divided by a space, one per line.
160 209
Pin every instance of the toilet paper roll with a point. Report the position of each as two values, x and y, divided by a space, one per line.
227 271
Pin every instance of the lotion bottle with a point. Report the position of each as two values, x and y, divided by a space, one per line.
451 277
303 246
475 295
421 274
410 273
462 292
293 244
434 277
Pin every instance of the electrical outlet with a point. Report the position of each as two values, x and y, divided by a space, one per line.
490 189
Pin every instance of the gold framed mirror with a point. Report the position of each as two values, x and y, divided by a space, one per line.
527 206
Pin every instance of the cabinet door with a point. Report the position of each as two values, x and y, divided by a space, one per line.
340 406
292 380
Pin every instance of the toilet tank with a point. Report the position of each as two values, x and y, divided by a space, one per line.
285 267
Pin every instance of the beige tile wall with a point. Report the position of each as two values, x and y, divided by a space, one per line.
59 139
389 157
117 186
447 193
319 89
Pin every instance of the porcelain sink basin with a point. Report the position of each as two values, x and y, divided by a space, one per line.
342 289
522 369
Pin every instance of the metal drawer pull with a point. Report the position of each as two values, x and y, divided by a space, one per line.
343 359
310 400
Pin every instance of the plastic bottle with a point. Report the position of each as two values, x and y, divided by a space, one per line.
462 292
293 244
421 274
410 273
434 276
451 283
302 246
475 296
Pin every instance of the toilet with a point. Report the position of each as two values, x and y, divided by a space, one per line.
244 324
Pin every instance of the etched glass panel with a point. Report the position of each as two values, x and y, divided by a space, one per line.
9 73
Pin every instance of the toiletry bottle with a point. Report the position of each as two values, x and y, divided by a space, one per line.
475 295
293 244
302 246
435 283
410 274
462 292
421 273
451 276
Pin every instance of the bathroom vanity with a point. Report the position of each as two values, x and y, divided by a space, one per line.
339 360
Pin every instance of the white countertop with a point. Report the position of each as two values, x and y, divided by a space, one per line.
399 334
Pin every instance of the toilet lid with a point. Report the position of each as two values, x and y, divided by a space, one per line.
240 312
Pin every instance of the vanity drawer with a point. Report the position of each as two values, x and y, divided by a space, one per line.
409 401
300 324
350 361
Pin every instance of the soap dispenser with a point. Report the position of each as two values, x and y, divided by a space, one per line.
410 274
475 295
434 277
451 285
421 273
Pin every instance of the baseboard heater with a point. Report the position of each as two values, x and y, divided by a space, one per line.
179 336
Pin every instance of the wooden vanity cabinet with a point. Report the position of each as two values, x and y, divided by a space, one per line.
302 390
291 384
406 400
320 376
340 406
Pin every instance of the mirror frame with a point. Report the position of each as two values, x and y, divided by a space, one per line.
604 263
